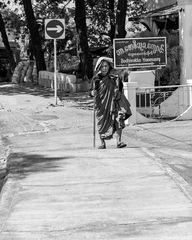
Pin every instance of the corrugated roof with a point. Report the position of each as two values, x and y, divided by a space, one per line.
166 12
158 13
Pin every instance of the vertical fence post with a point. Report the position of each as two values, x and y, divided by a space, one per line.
130 94
190 95
189 83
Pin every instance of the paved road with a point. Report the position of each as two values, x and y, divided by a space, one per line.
169 141
59 187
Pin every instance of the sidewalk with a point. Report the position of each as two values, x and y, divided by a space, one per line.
59 187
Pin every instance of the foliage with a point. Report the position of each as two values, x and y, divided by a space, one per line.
42 10
14 20
170 74
136 7
5 39
12 17
98 23
54 9
98 19
14 23
99 16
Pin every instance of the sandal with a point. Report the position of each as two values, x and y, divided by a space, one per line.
103 146
121 145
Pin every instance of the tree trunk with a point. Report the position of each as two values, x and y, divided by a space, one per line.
121 17
80 20
112 20
6 44
35 37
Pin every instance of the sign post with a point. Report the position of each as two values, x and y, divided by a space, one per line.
55 29
55 70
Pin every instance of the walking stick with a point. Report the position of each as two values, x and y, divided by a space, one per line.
94 114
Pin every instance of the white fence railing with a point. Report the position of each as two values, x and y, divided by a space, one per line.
164 102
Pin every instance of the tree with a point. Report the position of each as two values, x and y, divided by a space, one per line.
120 19
35 37
49 10
98 22
101 22
37 12
80 20
108 18
112 19
6 41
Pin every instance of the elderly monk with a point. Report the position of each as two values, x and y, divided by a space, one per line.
112 107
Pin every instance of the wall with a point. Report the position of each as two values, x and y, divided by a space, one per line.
186 39
144 79
65 82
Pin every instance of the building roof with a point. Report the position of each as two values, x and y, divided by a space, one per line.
158 13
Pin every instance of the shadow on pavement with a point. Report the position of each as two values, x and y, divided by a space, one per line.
81 99
24 164
25 88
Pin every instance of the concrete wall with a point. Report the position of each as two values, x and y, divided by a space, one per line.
144 79
186 39
65 82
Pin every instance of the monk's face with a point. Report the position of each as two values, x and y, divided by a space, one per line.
105 68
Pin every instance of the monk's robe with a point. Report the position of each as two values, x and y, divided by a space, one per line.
112 107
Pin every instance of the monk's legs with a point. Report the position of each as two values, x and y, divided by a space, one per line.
120 144
103 145
119 134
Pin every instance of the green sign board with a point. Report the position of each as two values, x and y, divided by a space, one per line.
140 52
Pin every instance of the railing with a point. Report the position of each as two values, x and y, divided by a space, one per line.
165 102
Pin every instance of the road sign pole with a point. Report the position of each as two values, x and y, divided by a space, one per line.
55 29
55 70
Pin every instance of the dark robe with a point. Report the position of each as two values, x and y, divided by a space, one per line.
112 107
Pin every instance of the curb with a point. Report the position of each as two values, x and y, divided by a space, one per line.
180 181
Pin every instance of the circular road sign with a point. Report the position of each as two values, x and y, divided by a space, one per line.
54 28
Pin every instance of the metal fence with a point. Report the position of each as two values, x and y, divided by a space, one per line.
163 103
